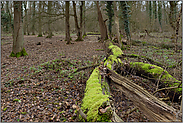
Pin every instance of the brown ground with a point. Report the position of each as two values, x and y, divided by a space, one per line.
46 96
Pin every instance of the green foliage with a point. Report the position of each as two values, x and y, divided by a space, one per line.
110 14
22 53
5 21
155 9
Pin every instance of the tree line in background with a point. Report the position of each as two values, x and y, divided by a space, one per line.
122 18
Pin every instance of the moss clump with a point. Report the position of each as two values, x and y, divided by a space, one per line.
115 50
22 53
78 39
94 99
40 35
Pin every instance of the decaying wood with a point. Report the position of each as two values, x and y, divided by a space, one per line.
154 109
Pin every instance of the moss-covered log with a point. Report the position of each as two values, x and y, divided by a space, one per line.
156 73
94 99
96 103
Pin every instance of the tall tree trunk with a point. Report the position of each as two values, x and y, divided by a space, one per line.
67 26
81 20
79 33
110 15
7 11
125 12
30 18
103 27
84 24
117 24
33 16
177 28
160 14
18 39
49 20
40 23
25 17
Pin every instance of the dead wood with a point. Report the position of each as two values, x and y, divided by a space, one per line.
153 108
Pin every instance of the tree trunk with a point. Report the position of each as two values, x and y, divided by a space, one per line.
117 24
49 20
84 24
103 27
33 16
79 33
25 18
110 15
30 18
18 39
67 25
40 23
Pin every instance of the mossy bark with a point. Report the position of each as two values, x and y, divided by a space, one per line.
94 98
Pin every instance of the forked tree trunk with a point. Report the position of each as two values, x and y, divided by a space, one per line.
103 27
18 37
67 26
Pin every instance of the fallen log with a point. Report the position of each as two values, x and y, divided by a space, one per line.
153 108
97 104
154 72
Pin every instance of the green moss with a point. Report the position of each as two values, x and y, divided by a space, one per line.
115 50
78 39
99 49
134 55
22 53
94 98
156 71
40 35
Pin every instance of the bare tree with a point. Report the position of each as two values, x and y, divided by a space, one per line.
103 27
40 23
18 39
67 26
33 17
79 29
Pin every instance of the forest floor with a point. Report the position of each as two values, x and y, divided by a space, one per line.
41 87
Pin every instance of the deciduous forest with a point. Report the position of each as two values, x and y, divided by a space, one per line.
91 61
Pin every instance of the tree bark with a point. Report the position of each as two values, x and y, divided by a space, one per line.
40 23
33 16
67 25
25 17
79 29
18 39
49 20
103 27
117 24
